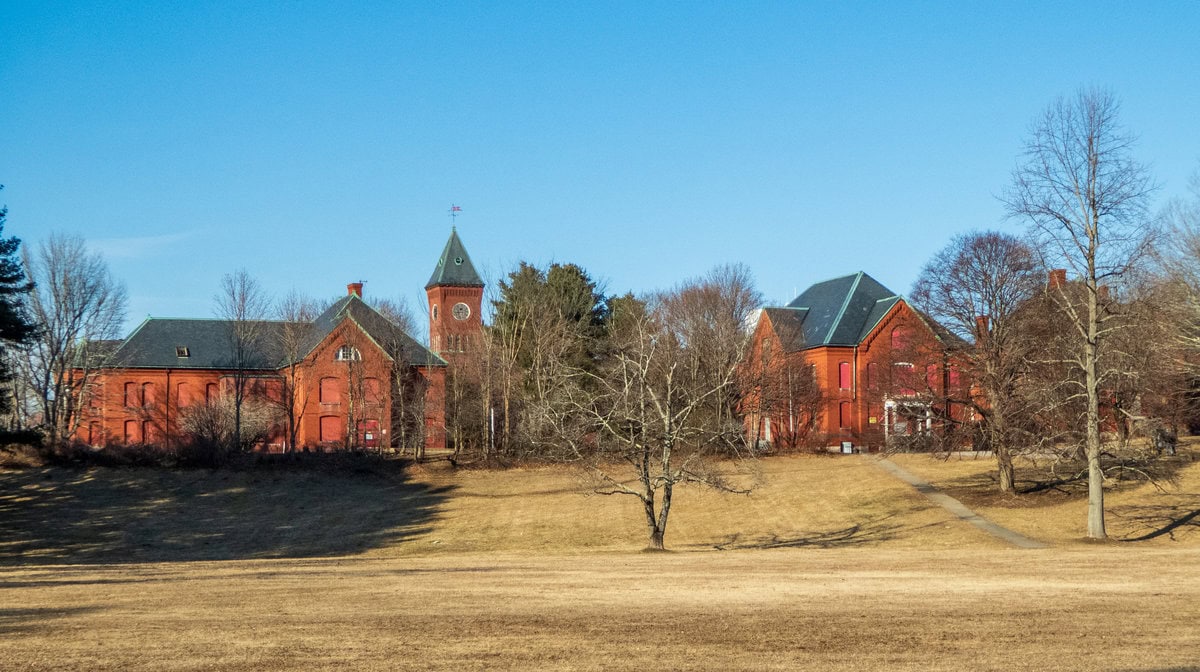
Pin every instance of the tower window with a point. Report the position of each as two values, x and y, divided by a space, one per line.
433 311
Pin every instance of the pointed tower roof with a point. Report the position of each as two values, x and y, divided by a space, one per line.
454 267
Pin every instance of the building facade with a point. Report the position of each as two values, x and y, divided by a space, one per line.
847 364
348 379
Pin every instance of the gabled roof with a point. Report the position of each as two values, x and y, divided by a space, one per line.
454 267
380 329
210 342
841 311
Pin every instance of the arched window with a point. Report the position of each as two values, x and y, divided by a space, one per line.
131 395
330 391
347 353
872 376
147 394
131 431
183 395
844 375
844 415
900 339
210 392
331 428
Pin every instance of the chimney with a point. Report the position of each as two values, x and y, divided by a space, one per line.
1058 278
354 289
981 326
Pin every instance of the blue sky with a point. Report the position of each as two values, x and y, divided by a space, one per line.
320 143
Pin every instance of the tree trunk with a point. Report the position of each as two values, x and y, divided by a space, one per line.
1004 463
1095 475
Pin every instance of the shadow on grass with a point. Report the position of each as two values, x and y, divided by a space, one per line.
867 532
1047 483
102 515
26 620
1150 522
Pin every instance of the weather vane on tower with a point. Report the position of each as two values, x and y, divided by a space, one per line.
455 211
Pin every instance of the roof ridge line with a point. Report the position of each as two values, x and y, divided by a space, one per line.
845 304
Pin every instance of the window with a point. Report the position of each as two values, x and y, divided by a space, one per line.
844 415
147 394
131 431
903 374
371 390
433 312
331 429
330 391
348 353
183 395
182 351
954 377
210 392
132 398
900 339
844 375
872 376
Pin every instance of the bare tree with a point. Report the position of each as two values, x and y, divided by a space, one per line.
1085 199
243 305
296 312
665 400
80 308
976 287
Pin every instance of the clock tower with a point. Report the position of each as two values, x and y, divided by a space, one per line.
455 294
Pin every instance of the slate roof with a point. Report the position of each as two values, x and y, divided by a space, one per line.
454 267
381 330
841 311
210 342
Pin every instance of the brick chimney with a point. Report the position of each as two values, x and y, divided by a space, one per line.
981 325
1058 278
354 289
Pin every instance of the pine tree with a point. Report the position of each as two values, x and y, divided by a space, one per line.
15 326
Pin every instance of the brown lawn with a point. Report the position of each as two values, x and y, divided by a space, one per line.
830 564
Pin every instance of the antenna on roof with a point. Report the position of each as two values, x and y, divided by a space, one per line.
455 211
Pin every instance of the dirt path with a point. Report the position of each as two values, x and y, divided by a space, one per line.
957 508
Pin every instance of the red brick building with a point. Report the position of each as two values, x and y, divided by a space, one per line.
349 378
848 362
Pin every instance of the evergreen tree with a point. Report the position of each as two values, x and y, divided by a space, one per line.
15 326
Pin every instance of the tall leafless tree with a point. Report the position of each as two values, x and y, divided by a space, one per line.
1085 200
244 305
665 401
81 309
976 287
296 313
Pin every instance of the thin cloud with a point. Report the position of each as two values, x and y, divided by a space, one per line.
137 246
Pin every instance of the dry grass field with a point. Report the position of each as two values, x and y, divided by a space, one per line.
830 564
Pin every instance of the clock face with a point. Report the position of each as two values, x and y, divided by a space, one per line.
461 311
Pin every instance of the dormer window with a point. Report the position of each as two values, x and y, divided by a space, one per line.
347 353
182 351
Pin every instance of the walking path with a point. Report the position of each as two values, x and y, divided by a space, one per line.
956 507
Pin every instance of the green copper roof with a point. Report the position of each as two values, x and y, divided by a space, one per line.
454 267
